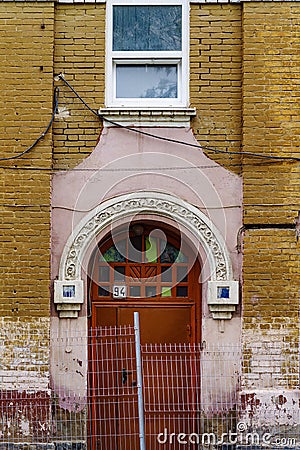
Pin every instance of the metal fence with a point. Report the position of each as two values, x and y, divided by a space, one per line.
192 396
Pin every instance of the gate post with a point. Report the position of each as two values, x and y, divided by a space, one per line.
139 380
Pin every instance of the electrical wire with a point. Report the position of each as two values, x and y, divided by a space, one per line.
275 158
175 141
13 205
135 169
28 149
206 208
61 77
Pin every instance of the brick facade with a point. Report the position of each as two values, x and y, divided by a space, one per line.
27 32
244 84
244 72
271 126
216 78
79 48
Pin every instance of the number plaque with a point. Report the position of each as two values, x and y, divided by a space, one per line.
119 291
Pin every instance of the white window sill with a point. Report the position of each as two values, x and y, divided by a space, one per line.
148 117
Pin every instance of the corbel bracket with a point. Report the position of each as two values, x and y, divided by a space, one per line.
222 298
68 297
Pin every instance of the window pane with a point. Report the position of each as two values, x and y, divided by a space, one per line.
114 254
119 273
135 291
182 274
150 291
104 273
102 292
147 28
166 291
166 274
146 81
181 291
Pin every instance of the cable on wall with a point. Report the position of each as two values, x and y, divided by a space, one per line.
28 149
134 169
135 130
175 141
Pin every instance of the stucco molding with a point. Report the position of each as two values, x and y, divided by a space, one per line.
68 289
146 203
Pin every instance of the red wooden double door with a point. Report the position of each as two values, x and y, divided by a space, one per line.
151 270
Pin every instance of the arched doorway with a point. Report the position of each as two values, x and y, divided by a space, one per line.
109 425
151 269
147 268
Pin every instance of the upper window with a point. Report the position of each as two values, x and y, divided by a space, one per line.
147 53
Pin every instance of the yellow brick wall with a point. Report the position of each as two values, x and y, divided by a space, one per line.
215 88
271 125
26 43
271 289
79 53
271 117
40 39
216 78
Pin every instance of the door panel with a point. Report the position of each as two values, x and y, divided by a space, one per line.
103 367
160 278
106 316
167 380
113 391
159 324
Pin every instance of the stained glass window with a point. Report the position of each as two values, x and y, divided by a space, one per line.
170 254
114 254
147 265
151 249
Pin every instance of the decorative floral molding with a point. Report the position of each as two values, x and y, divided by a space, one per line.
156 203
180 211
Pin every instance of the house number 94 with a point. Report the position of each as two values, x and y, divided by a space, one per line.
119 291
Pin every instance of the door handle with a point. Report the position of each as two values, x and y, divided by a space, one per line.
125 374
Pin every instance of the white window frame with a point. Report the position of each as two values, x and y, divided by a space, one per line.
180 58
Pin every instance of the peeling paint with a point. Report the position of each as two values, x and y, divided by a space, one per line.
25 415
25 396
270 408
24 355
24 426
